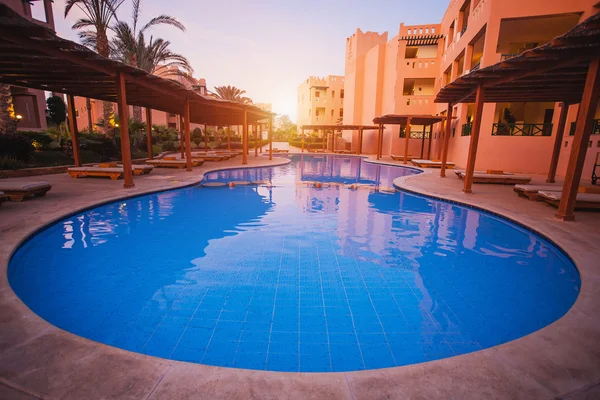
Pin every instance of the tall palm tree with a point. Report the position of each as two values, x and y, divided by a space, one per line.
232 93
98 16
129 46
8 121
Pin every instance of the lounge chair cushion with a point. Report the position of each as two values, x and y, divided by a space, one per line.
537 188
429 162
556 196
496 176
17 186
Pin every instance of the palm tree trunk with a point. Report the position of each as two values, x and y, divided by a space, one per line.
108 113
104 50
88 105
137 113
8 122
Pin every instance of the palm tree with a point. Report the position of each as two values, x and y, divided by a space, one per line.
94 25
232 93
129 46
8 120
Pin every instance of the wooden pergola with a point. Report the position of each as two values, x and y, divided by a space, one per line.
35 57
337 127
406 121
565 70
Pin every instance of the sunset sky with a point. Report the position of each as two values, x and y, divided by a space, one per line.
269 47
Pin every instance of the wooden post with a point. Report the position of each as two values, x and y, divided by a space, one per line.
123 111
73 126
302 130
440 141
324 139
379 136
255 140
245 139
181 149
229 137
271 138
560 130
188 136
333 141
430 138
479 98
583 128
149 132
205 138
260 133
423 141
360 140
406 138
448 127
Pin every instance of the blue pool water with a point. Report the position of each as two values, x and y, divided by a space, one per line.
289 277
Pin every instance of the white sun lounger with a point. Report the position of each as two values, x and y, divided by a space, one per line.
17 191
396 157
498 178
531 191
179 163
590 201
431 164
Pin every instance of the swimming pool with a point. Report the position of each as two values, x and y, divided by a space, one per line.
288 277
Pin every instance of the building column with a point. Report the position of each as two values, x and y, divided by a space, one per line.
73 128
448 127
205 138
406 139
245 139
560 131
583 128
271 138
188 136
440 141
123 111
149 132
423 141
324 139
479 98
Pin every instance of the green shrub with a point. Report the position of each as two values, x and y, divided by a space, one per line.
106 148
307 145
16 145
10 163
157 149
50 158
39 140
168 146
162 134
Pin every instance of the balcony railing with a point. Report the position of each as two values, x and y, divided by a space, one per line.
521 129
595 128
475 67
507 56
466 130
414 134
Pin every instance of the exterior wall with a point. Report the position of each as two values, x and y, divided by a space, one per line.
318 99
31 103
528 154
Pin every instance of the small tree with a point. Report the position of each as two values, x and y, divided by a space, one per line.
197 136
57 110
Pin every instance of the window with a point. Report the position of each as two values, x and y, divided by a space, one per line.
341 112
309 112
333 94
172 125
317 93
332 116
342 94
433 30
172 115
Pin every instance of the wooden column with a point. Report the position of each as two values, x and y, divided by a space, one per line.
188 136
302 130
205 138
73 128
229 137
423 141
255 140
324 139
583 128
560 131
333 141
271 138
181 146
448 129
245 139
260 133
430 138
123 111
479 97
149 132
379 139
406 139
360 140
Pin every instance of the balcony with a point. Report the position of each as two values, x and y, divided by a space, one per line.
595 128
466 130
413 134
521 129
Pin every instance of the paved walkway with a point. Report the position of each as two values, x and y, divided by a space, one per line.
38 360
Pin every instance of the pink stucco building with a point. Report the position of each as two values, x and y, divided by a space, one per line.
402 76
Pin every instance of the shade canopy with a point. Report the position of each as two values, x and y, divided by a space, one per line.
397 119
338 127
35 57
554 72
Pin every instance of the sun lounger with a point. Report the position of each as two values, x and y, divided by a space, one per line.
180 163
113 173
586 201
344 152
531 191
462 171
3 198
431 164
498 178
17 191
138 169
401 158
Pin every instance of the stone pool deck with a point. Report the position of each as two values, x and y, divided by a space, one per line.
38 360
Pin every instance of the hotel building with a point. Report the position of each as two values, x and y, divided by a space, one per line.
320 101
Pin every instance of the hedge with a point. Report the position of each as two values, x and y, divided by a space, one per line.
311 145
